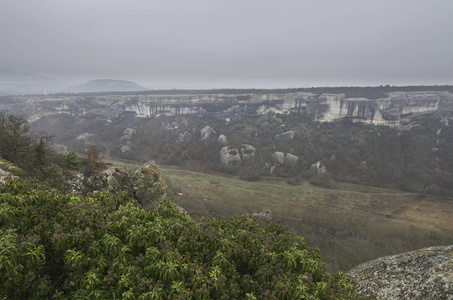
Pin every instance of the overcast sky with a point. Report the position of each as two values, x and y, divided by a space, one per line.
231 43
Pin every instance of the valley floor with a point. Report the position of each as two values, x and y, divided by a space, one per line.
350 224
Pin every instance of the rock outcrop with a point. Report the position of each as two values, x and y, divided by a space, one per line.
291 159
129 133
124 149
391 109
278 158
144 184
230 156
420 274
208 134
318 168
114 179
222 140
148 187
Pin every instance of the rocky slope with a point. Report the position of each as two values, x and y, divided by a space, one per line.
420 274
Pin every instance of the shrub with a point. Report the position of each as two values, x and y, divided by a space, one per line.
63 246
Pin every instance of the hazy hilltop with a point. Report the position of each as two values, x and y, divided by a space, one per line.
19 83
108 85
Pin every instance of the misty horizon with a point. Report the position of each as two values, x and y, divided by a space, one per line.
216 44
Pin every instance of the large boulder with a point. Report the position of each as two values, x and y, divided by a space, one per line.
318 168
278 158
291 159
222 140
421 274
148 187
208 134
230 156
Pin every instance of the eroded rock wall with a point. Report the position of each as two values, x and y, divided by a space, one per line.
393 110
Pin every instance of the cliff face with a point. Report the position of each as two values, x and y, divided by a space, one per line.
395 109
420 274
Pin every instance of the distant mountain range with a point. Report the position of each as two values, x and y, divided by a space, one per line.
108 85
18 83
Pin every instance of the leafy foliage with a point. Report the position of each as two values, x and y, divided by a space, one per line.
63 246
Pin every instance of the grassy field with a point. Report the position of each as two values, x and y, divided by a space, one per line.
350 224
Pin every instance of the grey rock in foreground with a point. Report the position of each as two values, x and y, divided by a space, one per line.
422 274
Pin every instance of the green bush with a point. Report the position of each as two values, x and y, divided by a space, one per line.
68 247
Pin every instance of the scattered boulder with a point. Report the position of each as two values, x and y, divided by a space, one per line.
230 156
265 215
184 137
318 168
433 150
208 134
148 187
291 159
222 140
278 158
289 135
129 133
247 152
420 274
125 149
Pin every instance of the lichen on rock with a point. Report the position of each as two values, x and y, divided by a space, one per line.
147 184
422 274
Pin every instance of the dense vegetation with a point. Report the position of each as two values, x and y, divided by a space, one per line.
103 247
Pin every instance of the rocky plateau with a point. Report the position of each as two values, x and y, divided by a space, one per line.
395 109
